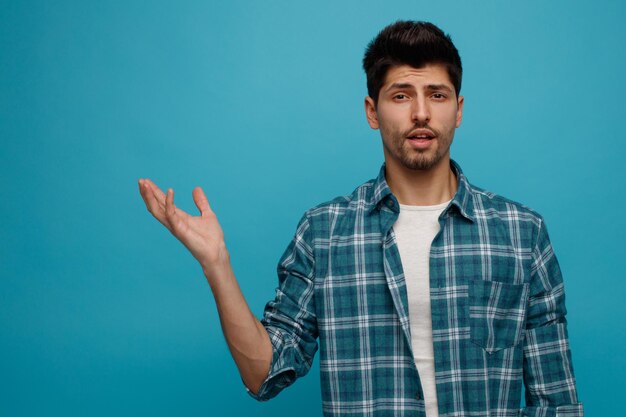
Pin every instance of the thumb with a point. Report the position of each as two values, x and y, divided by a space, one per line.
201 201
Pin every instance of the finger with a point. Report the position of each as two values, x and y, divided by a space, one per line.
175 216
201 201
156 208
140 183
170 209
148 196
158 194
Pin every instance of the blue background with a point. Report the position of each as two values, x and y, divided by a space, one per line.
103 313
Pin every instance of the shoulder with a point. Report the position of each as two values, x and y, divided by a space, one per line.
487 203
496 211
332 212
358 199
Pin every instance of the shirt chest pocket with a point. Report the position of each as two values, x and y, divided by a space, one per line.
497 313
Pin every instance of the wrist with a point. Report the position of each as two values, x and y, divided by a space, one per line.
218 268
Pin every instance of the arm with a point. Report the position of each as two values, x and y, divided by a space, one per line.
247 339
548 371
290 318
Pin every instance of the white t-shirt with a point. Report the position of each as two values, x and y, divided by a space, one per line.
415 229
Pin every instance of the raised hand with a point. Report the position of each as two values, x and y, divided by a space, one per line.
202 234
247 339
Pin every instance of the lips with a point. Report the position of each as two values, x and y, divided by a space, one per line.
421 139
421 134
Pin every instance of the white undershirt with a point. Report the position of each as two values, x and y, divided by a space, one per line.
415 230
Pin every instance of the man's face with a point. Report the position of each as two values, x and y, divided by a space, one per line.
417 114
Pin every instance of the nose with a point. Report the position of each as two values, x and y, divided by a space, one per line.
420 111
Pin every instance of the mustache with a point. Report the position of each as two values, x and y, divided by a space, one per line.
408 132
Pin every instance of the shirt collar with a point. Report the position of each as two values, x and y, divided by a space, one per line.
463 199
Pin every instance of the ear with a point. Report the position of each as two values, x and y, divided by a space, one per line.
370 113
459 111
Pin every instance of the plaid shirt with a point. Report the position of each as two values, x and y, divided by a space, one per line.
497 298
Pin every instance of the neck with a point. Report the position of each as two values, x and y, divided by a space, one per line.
421 187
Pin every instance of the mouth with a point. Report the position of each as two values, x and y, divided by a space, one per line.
421 135
421 139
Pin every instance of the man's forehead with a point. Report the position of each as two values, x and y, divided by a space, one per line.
428 74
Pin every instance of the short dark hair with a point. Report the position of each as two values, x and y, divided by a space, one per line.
407 42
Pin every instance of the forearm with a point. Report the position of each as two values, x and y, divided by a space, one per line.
246 337
548 370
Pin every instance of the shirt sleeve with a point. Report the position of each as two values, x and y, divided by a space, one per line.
290 318
548 371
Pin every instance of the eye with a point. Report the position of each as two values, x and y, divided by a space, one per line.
439 96
400 96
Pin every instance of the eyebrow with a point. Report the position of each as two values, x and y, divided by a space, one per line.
400 86
429 87
434 87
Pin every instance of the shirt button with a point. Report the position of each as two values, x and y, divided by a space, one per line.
390 203
418 396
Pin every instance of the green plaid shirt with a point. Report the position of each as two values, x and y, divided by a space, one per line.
498 310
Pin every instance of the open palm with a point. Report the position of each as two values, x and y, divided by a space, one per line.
202 234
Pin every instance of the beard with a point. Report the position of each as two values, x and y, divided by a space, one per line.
400 149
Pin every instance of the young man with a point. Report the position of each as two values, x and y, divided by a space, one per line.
428 296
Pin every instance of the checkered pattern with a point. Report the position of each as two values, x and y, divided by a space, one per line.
497 299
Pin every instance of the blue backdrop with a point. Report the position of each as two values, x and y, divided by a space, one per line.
103 313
